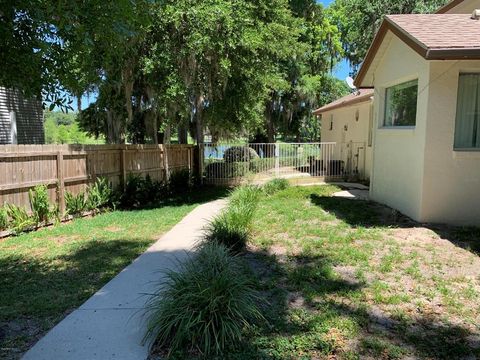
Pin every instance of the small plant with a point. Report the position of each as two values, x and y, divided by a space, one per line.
40 204
99 195
275 185
232 227
141 192
75 204
3 219
205 306
180 181
19 219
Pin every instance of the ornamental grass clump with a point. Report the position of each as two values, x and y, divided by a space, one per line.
205 306
232 227
275 185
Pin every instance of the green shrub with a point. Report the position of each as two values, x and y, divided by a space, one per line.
275 185
239 154
20 220
3 219
99 195
40 204
180 181
261 165
75 204
226 170
205 306
141 192
232 227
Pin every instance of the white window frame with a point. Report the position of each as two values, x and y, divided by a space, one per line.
384 107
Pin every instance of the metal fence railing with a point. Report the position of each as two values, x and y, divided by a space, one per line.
232 164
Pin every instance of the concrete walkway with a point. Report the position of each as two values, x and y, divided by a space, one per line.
353 194
110 324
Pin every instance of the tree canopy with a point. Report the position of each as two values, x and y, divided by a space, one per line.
62 128
359 20
229 68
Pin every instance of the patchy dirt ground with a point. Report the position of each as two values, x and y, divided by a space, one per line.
364 282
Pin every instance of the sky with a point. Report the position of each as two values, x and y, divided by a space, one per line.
341 71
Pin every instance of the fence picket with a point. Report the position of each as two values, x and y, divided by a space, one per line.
72 167
231 164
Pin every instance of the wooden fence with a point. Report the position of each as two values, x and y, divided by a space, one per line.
73 167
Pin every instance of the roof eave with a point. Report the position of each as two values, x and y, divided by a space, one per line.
453 54
387 25
449 6
420 48
359 100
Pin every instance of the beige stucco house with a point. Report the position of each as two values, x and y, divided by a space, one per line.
348 123
425 70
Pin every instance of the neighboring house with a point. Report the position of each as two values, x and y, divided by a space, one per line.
21 119
348 123
425 69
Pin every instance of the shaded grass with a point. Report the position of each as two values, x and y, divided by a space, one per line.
46 274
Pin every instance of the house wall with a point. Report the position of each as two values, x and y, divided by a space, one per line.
29 116
357 132
452 178
398 159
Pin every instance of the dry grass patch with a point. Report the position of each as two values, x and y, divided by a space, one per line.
354 279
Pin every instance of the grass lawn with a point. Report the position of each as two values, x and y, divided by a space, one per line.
46 274
349 279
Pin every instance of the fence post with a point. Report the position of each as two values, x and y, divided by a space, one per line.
61 183
201 153
123 167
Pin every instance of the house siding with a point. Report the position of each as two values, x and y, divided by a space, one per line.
29 116
398 154
452 178
357 132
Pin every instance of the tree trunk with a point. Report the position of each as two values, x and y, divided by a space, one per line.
199 119
182 134
114 129
79 103
270 126
128 82
166 141
167 135
110 135
155 129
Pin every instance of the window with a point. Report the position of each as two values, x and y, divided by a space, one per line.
467 123
401 104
